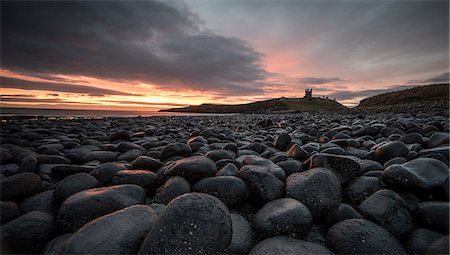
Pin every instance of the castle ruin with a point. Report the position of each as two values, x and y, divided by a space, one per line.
308 94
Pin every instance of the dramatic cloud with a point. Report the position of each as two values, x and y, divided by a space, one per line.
58 87
316 80
38 100
146 41
441 78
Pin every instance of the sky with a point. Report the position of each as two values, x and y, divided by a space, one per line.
151 55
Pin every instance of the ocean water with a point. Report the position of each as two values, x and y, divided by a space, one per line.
64 113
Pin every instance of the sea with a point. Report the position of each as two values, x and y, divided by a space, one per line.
7 112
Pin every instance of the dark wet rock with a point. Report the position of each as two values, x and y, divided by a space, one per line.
420 173
262 184
229 189
291 166
20 186
101 156
130 155
341 212
192 223
146 179
73 184
391 150
419 240
285 216
120 232
146 163
282 141
9 211
440 246
259 161
437 139
27 233
54 247
242 237
361 188
217 155
397 160
193 168
5 157
171 189
387 209
223 162
28 164
52 159
433 215
366 130
345 167
288 246
158 208
360 236
317 188
60 172
9 169
120 135
175 149
90 204
228 170
412 138
297 152
43 202
255 146
127 146
369 165
104 173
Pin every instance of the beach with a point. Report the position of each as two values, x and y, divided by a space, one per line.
243 183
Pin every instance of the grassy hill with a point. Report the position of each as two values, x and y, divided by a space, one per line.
421 94
273 105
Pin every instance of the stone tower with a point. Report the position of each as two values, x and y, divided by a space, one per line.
308 94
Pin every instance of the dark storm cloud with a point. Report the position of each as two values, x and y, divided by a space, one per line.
147 41
317 80
441 78
58 87
38 100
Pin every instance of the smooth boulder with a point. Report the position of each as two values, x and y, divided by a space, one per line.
84 206
120 232
360 236
284 216
288 246
318 188
192 223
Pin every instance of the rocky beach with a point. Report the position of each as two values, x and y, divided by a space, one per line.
371 182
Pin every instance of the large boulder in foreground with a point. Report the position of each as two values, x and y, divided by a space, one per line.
73 184
262 184
120 232
389 210
288 246
359 236
420 174
84 206
192 169
20 186
284 216
192 223
230 190
28 233
318 188
344 167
